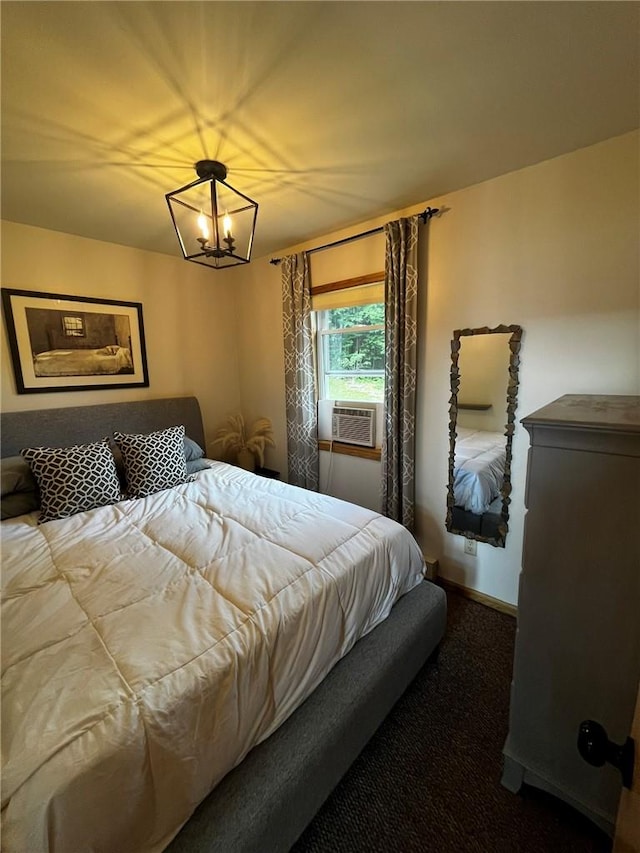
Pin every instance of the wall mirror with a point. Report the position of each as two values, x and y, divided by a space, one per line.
484 392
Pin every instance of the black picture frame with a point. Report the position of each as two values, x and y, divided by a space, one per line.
100 344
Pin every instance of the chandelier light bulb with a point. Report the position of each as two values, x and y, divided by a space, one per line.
202 225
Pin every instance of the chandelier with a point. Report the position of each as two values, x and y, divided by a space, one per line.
214 222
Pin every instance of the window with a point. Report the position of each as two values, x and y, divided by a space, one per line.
351 353
73 327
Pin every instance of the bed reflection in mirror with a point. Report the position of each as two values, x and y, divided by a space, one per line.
484 388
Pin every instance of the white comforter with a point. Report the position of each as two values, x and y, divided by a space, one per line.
478 471
147 646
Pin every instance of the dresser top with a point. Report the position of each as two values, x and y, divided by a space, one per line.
608 412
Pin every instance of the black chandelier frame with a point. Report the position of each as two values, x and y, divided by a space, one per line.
220 250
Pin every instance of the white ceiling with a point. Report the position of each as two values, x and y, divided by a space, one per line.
326 113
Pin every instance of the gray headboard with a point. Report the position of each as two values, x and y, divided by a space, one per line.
80 424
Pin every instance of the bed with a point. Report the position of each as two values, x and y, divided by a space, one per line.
194 649
478 472
106 360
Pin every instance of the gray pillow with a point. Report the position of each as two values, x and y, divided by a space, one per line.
16 476
192 450
194 465
73 479
19 488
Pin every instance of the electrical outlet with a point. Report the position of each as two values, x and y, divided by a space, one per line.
470 547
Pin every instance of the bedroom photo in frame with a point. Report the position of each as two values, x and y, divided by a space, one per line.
74 343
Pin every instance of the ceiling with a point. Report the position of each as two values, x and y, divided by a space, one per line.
326 113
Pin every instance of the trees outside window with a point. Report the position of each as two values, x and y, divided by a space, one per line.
351 353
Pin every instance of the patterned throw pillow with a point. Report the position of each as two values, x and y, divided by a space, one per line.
73 479
153 462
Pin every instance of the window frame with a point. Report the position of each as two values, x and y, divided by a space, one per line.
322 333
73 325
335 294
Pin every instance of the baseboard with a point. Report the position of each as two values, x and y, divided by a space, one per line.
480 597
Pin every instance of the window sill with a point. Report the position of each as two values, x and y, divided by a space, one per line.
351 450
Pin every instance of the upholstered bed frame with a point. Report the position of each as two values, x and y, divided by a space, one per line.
266 802
79 424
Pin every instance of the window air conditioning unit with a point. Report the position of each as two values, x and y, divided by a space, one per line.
354 426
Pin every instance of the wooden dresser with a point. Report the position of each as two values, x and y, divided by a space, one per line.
577 654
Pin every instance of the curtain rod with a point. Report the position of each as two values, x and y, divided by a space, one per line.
426 214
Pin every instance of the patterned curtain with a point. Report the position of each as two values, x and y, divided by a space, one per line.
299 374
401 297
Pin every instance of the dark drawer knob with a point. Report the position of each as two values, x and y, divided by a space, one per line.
596 749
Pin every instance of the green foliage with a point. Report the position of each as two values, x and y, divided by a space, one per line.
360 353
357 351
358 315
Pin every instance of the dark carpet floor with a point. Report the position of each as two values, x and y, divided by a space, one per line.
429 780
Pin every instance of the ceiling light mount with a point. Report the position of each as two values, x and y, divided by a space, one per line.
214 222
211 169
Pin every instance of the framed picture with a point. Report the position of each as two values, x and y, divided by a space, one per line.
73 343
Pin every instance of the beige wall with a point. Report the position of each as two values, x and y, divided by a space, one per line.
261 354
553 248
483 362
189 316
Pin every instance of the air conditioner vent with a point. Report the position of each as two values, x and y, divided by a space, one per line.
354 426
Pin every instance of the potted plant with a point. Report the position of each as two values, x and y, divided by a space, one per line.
245 445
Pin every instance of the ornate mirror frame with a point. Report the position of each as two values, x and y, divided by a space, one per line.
498 541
